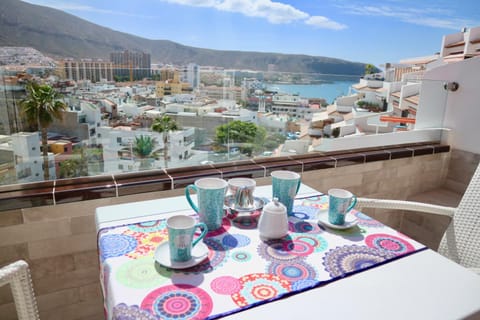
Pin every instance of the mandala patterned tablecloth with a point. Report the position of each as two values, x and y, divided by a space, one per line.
241 270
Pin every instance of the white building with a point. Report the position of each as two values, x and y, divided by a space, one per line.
118 146
28 157
191 74
292 105
437 88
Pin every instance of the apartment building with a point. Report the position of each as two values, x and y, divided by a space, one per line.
130 65
94 70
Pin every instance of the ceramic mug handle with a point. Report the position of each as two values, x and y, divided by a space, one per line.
204 229
187 194
352 204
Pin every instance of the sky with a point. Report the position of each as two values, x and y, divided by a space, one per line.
367 31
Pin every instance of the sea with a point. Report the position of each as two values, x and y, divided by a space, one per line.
327 90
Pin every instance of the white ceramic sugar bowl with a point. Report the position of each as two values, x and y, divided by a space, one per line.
273 222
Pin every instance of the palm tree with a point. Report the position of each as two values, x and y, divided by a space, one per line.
164 125
143 148
40 107
369 68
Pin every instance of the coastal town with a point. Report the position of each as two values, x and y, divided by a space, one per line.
112 105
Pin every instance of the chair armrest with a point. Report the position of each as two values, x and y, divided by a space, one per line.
405 205
17 275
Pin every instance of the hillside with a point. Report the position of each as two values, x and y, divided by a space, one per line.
60 34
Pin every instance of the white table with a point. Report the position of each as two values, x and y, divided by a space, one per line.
424 285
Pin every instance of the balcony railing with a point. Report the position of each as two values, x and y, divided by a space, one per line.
128 116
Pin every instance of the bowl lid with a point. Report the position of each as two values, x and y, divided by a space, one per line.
275 206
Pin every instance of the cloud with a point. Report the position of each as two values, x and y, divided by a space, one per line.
325 23
68 6
425 16
274 12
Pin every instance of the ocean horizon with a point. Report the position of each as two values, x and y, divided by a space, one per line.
328 90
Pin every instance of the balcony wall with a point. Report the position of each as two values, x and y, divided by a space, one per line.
59 242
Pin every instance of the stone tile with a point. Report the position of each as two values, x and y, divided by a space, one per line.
67 280
422 150
414 169
350 159
150 186
144 197
379 175
84 310
344 181
86 259
62 211
5 294
91 292
441 148
400 153
62 245
52 266
437 225
387 217
440 196
455 186
84 224
11 217
34 231
8 311
361 168
396 163
317 163
414 217
13 253
366 189
97 316
378 155
57 299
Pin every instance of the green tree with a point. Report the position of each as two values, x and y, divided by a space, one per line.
248 136
369 68
69 168
273 141
164 125
41 107
143 148
78 163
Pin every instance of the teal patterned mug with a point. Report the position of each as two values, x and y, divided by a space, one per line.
285 185
340 202
181 230
210 198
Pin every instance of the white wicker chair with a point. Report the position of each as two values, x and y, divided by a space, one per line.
17 274
461 241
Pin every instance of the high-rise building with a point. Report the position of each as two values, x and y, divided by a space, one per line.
86 69
130 65
12 91
191 74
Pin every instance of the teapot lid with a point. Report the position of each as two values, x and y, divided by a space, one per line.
275 206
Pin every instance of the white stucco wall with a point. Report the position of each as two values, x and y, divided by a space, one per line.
459 110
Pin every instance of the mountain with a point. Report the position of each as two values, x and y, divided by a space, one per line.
60 34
